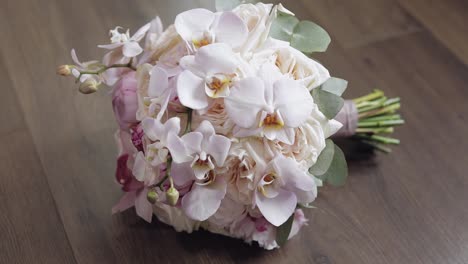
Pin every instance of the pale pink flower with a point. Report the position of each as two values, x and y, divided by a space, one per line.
125 101
195 157
280 185
206 76
271 107
200 27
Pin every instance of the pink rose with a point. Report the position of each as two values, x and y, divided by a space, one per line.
125 101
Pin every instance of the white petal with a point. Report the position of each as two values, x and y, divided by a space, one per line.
245 102
127 201
216 58
182 173
293 101
131 49
204 200
278 209
188 63
191 91
143 208
206 128
286 135
153 128
191 21
111 46
218 147
231 29
177 148
141 32
139 167
172 126
159 82
192 142
296 180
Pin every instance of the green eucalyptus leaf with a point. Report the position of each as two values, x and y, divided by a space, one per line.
283 27
328 103
335 86
283 231
324 160
309 37
338 171
226 5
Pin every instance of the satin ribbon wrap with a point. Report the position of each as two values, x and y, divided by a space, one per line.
348 116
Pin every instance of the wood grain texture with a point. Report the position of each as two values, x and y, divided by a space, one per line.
57 145
446 20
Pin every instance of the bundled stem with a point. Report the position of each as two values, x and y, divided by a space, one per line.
377 116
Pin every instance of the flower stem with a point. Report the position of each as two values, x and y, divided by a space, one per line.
188 127
105 68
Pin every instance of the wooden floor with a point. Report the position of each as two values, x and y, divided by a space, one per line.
57 153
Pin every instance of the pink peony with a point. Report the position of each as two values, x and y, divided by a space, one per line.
125 101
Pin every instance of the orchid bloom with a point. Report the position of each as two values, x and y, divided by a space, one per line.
161 90
84 66
129 45
200 27
158 133
207 75
269 107
280 185
133 183
195 156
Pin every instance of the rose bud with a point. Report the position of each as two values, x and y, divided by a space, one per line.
125 100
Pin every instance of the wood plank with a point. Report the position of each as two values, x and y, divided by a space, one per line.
446 20
31 230
358 22
405 207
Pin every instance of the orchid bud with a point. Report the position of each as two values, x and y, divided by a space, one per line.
172 196
64 70
152 196
89 86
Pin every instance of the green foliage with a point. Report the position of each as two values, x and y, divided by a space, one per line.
328 103
305 36
283 27
228 5
309 37
283 231
335 86
324 160
331 165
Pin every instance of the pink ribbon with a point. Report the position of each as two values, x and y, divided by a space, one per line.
348 116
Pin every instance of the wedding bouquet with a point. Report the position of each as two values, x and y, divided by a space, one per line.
224 122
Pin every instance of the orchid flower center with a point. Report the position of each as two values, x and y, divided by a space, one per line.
201 39
157 149
202 166
219 84
117 37
267 183
272 121
208 179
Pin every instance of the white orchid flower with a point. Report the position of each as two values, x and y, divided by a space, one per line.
158 133
130 45
200 27
280 185
271 106
161 90
207 75
195 157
